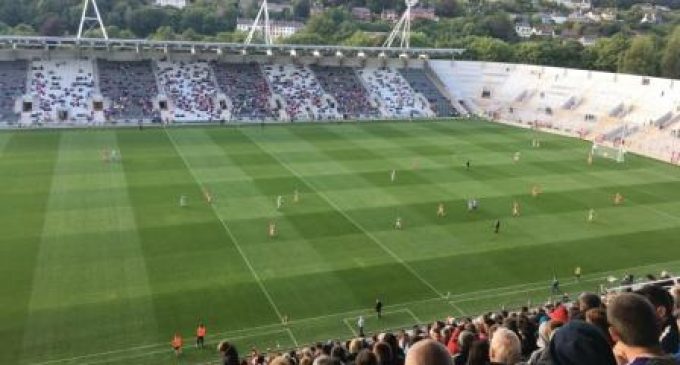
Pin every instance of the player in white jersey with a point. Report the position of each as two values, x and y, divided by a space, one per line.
441 212
272 230
515 208
591 215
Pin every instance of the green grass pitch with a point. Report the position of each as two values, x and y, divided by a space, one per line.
99 263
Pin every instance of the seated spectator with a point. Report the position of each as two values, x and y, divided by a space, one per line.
560 314
228 353
636 331
662 301
505 347
545 332
580 343
365 357
479 353
598 318
587 301
465 340
383 353
428 352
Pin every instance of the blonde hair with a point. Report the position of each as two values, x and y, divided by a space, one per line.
505 347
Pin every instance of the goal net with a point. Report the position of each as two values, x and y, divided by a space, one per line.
616 153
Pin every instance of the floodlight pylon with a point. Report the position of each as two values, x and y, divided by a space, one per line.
262 17
86 19
402 29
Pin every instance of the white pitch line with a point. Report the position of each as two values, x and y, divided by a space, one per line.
462 312
410 312
187 346
500 291
228 231
144 354
351 328
350 219
292 337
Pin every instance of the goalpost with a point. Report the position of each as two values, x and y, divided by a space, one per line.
616 153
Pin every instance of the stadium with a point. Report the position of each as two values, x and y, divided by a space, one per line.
327 204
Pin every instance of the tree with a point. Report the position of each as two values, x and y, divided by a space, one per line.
640 57
499 26
52 26
144 21
608 52
490 49
301 9
360 39
447 8
164 33
670 58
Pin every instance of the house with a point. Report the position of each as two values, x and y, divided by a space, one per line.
578 17
279 8
558 19
569 34
574 4
361 13
597 15
523 30
543 30
588 40
423 13
650 18
277 29
389 16
174 3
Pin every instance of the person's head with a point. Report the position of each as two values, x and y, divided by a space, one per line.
633 321
391 340
505 347
366 357
588 301
479 353
354 346
465 340
661 299
598 318
325 360
580 343
307 360
428 352
338 352
383 352
280 360
544 333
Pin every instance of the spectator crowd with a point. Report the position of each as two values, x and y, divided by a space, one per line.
629 328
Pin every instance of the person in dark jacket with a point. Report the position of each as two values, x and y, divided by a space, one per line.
634 328
663 304
580 343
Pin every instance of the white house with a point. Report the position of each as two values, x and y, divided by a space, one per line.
174 3
523 30
278 29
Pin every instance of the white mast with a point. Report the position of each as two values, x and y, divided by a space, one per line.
89 19
402 29
263 13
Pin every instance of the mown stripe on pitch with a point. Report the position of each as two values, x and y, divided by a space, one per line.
19 245
62 320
